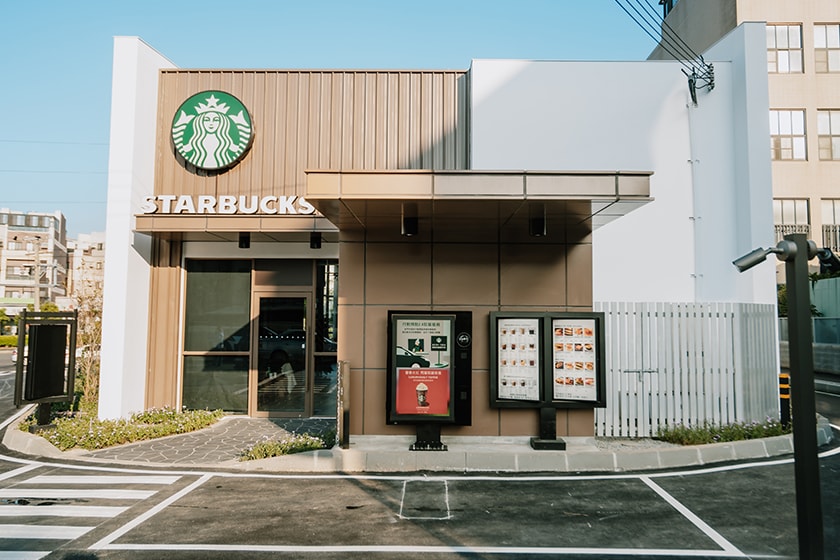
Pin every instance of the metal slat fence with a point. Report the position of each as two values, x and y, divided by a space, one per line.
687 363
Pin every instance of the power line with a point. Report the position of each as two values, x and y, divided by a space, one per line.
41 171
51 142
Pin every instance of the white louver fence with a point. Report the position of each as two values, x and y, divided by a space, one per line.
687 363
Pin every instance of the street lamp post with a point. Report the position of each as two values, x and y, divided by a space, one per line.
795 250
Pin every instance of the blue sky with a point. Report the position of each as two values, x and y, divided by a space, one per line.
56 64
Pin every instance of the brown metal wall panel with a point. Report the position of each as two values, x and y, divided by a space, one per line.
162 357
321 120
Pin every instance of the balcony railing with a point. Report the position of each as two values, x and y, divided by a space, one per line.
831 237
787 229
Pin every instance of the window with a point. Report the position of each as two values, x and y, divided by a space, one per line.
828 133
784 49
790 211
827 47
787 134
831 211
831 224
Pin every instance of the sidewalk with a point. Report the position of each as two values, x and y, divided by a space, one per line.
219 446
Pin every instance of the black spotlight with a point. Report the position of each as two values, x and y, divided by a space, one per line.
536 220
244 240
409 219
315 240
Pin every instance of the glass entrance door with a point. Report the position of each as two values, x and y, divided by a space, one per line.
281 362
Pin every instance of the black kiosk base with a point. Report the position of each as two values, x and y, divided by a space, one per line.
428 438
548 432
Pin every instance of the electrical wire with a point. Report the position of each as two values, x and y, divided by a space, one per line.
699 73
665 46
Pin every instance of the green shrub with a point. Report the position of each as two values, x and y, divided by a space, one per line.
710 433
8 340
293 443
88 432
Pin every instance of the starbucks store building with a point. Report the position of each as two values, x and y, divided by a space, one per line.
274 233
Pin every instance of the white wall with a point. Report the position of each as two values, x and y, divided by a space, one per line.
130 177
707 161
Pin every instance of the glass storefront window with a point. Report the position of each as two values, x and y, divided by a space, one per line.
218 314
217 335
216 382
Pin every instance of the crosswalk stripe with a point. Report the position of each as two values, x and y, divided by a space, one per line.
103 479
60 511
42 531
56 493
22 554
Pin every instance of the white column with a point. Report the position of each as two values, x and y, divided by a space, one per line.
125 312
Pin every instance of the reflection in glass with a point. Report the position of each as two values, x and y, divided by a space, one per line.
324 386
216 382
281 361
326 306
217 315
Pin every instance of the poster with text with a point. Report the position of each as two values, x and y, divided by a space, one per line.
423 391
574 351
423 363
518 342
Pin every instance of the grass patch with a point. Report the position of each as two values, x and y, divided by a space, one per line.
293 443
88 432
710 433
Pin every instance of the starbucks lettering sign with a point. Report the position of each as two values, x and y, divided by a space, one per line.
212 130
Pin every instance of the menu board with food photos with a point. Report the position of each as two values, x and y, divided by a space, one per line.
574 359
519 359
547 359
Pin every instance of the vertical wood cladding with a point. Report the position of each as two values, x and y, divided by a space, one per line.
321 120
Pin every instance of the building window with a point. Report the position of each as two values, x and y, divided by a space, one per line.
828 132
827 47
784 49
831 223
790 215
787 134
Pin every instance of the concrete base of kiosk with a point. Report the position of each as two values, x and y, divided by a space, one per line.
428 439
556 444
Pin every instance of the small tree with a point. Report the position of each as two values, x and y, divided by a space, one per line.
5 320
88 341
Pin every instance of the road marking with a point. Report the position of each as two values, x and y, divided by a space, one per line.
22 555
62 493
148 514
407 549
696 521
60 511
102 479
425 501
18 471
42 532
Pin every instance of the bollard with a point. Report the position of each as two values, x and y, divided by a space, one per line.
784 399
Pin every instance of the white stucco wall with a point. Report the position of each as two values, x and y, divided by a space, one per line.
711 164
130 177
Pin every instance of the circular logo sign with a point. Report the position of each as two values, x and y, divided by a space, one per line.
464 339
212 130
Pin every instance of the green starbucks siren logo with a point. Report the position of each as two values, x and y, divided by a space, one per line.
212 130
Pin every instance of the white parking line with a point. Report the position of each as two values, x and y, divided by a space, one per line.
447 515
397 549
148 514
696 521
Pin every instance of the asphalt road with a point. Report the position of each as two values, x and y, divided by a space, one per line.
62 510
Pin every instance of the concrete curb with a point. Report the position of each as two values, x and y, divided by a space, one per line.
390 454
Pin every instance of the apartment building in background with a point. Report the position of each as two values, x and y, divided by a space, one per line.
803 73
86 257
33 258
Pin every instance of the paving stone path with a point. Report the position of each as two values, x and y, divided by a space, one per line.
221 442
